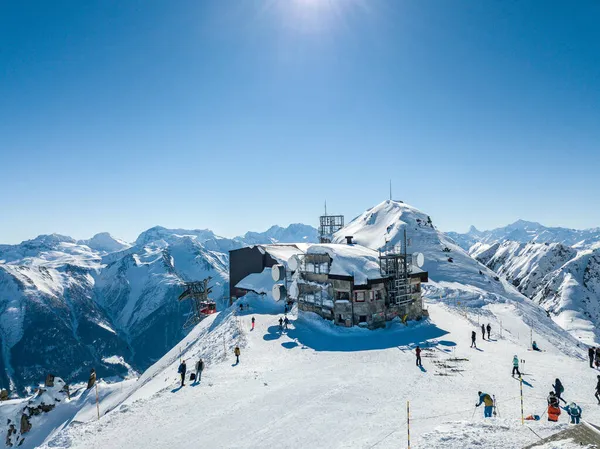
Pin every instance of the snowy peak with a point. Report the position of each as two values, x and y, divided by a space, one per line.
383 224
528 231
105 243
294 233
160 233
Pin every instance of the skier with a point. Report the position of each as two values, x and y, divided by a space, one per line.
516 366
535 347
591 352
574 412
280 323
489 330
553 408
252 323
559 389
285 323
597 357
473 339
236 351
488 402
483 331
418 353
598 390
182 369
199 369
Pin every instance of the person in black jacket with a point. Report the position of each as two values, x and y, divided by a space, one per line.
489 330
182 369
473 338
483 331
598 390
559 389
591 352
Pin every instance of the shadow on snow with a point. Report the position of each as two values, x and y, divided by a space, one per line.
322 335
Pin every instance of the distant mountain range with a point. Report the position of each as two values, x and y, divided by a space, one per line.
527 231
559 268
67 306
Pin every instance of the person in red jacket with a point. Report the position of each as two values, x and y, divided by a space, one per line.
418 353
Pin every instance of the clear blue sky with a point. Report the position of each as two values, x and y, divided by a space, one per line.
236 115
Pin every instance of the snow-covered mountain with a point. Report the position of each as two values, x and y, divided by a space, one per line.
562 279
49 321
104 243
294 233
450 268
68 305
526 231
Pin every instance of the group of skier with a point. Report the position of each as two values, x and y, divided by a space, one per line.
484 329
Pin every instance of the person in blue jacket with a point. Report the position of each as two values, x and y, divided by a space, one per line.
488 402
574 412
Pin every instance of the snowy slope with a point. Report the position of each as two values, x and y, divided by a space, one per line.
321 386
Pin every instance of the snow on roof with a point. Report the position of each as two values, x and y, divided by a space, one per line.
258 282
283 252
350 260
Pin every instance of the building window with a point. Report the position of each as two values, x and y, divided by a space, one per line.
378 295
359 296
362 319
341 320
340 296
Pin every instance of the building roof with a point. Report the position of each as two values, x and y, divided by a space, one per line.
581 435
282 252
355 261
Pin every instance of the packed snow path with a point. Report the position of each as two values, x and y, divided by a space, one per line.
316 385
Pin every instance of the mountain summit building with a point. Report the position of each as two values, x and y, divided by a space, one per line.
349 284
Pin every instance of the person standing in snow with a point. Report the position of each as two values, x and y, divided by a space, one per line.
597 357
559 389
574 411
285 323
483 331
488 402
489 330
473 339
182 369
280 323
591 352
199 369
598 390
553 407
418 353
253 323
516 366
237 353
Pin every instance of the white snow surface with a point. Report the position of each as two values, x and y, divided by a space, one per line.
321 386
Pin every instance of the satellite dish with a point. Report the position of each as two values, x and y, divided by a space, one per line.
420 259
278 272
293 263
279 292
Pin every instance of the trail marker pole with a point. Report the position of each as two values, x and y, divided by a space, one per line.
522 414
408 421
97 401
